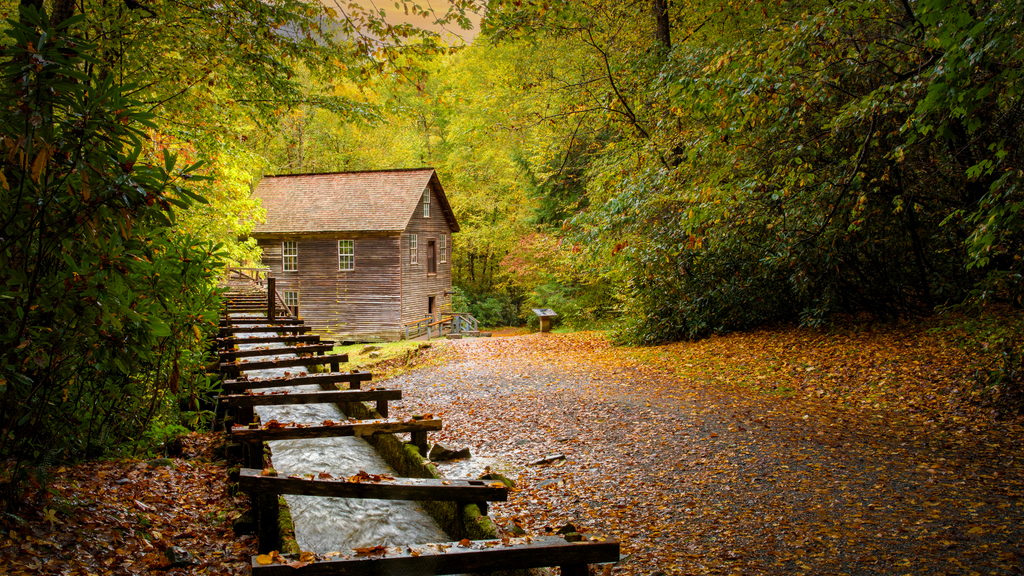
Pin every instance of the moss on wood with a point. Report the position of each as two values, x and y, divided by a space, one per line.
286 529
408 462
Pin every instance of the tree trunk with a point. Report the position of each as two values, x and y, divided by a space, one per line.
483 276
662 29
62 10
37 4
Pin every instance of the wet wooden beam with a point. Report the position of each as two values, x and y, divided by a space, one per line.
233 368
235 308
228 330
225 322
454 558
345 428
354 380
230 355
332 396
232 341
421 489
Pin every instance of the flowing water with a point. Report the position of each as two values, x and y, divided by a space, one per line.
327 524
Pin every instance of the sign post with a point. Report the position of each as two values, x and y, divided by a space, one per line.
545 315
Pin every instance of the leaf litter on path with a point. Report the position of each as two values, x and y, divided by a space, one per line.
701 467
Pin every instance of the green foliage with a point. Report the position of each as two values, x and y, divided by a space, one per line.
108 311
1001 374
110 254
460 301
973 103
994 341
803 160
493 309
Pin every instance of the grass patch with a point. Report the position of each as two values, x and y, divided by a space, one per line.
390 359
359 355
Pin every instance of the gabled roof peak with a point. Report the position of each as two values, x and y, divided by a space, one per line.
424 169
371 201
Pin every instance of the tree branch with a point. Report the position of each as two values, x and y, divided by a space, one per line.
628 112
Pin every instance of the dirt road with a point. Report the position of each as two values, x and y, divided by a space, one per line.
700 478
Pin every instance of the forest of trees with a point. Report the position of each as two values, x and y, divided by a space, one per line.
667 169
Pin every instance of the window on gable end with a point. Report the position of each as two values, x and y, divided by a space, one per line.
426 202
442 248
413 249
289 256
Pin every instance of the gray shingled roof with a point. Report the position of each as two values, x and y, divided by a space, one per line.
375 201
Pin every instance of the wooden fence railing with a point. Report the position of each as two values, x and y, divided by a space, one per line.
262 278
462 322
256 275
455 322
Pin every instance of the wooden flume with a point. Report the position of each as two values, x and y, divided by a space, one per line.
427 559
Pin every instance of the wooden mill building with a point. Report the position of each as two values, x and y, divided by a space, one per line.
360 254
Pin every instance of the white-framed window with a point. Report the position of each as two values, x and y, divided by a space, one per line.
413 249
442 248
289 256
346 255
291 300
426 202
292 297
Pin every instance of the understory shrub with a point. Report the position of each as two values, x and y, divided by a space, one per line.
108 309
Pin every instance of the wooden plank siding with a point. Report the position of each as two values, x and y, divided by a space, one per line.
361 304
417 284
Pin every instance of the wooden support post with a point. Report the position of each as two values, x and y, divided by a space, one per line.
574 570
269 511
382 407
271 302
335 367
354 384
246 415
419 440
252 455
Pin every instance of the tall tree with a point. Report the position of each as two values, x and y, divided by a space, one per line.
663 24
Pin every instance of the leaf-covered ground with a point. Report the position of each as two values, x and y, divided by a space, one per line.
773 452
120 517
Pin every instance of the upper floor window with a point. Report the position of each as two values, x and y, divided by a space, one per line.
413 249
290 256
426 203
346 255
442 248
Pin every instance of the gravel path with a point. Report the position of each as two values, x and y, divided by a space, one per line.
697 478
